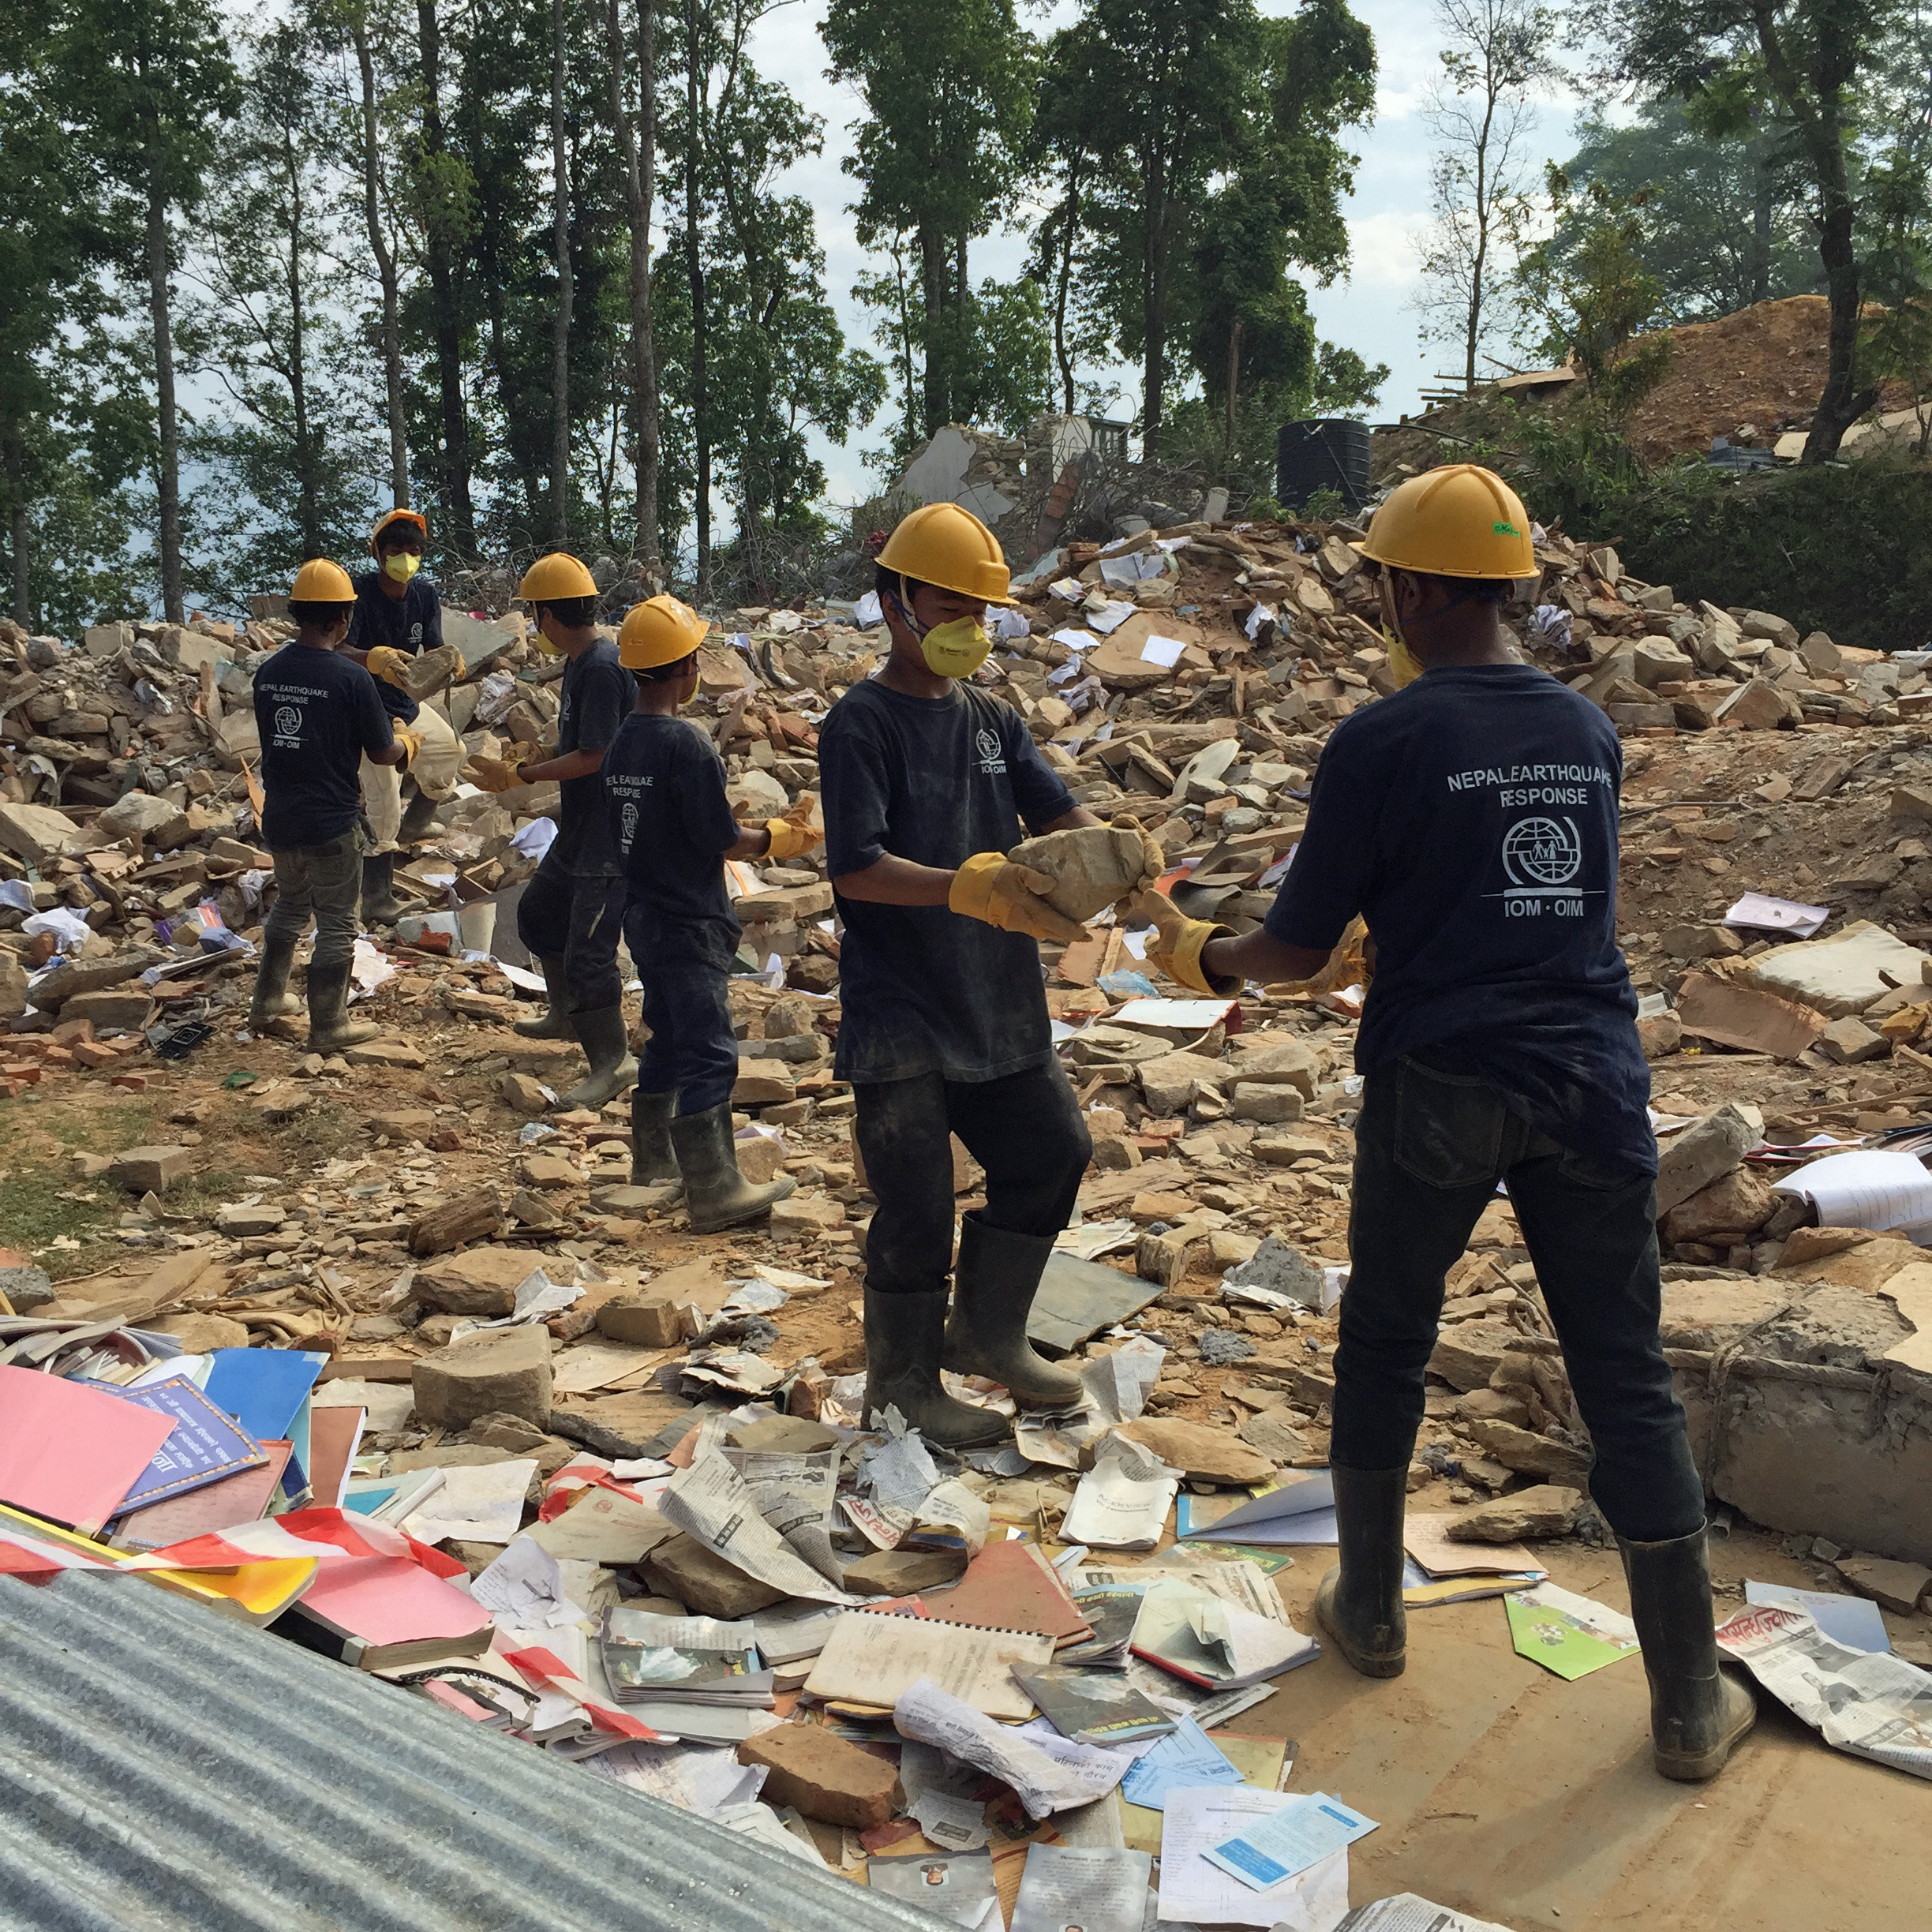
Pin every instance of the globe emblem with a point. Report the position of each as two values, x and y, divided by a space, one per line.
288 722
627 820
1542 852
989 744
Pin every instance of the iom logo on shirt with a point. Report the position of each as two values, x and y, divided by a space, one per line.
991 761
1542 857
627 823
288 721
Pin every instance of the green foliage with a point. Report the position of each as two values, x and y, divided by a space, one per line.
1321 505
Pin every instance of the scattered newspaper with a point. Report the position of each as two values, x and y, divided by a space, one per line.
712 1502
1406 1913
1049 1774
1870 1703
796 1492
1123 1500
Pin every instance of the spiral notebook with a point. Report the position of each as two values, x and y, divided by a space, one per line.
873 1660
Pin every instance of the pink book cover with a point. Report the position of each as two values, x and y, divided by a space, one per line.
71 1454
388 1600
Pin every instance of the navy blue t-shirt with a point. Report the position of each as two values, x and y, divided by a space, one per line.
923 990
411 623
1471 818
671 821
317 713
598 693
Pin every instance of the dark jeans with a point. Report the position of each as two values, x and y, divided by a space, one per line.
1027 1132
692 1051
325 881
1430 1146
576 918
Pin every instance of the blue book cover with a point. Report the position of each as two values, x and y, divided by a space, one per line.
205 1446
267 1391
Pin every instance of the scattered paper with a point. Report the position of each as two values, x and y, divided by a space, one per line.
1760 913
1872 1704
1123 1500
711 1502
480 1505
523 1588
1165 651
1082 1889
1877 1189
1854 1622
1300 1511
1266 1850
958 1888
1406 1912
1108 616
1570 1634
795 1493
1049 1774
537 1297
1186 1757
1194 1890
952 1824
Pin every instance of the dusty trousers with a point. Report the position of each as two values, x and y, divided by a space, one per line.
1430 1146
692 1051
1025 1130
576 917
325 881
434 768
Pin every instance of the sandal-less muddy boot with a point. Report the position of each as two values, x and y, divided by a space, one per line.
903 1335
1359 1603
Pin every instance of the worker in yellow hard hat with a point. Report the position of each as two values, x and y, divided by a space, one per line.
396 632
673 827
319 716
571 913
1472 819
943 1029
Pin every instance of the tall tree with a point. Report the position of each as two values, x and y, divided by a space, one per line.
1481 111
560 324
1810 58
637 141
948 95
697 35
147 82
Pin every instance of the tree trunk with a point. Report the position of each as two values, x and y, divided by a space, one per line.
448 321
693 264
636 146
1234 380
20 536
168 536
1154 303
1760 214
1063 281
560 323
308 505
937 399
386 275
1841 404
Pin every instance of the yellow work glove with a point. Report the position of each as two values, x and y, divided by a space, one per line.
1176 947
391 666
459 670
990 886
790 837
1153 860
490 774
411 742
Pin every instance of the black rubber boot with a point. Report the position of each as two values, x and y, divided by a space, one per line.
652 1159
1697 1713
380 905
272 1000
554 1023
416 820
716 1193
903 1336
607 1046
329 1028
993 1285
1359 1602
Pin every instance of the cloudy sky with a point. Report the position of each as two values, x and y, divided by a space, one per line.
1366 311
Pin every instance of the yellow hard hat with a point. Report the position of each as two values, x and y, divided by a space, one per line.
658 631
320 582
1459 521
554 579
399 515
942 544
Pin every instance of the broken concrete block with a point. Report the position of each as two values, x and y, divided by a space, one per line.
480 1281
1281 1062
1771 627
807 1214
402 1053
521 1093
552 1170
1705 1149
760 1158
1091 866
111 1009
1899 1587
239 1222
1166 1258
1202 1453
468 1218
1284 1269
820 1775
1759 705
1841 975
135 815
1912 801
1660 1035
38 833
1531 1455
1272 1103
706 1584
403 1123
1850 1041
1270 1431
762 1083
1171 1082
151 1169
1702 942
645 1321
1656 660
506 1370
13 984
1734 1206
1710 1315
1548 1510
1468 1353
1742 1016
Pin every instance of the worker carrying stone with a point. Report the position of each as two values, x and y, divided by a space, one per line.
395 631
572 910
944 1028
673 827
319 717
1471 819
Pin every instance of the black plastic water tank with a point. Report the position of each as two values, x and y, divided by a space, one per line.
1321 452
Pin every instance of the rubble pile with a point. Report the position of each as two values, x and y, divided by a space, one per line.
623 1421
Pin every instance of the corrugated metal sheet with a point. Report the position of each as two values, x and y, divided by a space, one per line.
162 1770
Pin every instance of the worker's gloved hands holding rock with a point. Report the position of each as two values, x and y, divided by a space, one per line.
490 774
1176 948
990 886
1153 860
390 665
796 833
